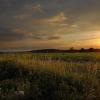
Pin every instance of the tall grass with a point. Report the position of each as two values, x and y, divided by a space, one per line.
50 76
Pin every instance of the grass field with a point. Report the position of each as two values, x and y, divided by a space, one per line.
70 76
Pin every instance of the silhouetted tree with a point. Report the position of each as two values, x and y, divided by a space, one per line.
71 49
82 50
91 49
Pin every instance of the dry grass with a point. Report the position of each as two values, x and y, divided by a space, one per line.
82 75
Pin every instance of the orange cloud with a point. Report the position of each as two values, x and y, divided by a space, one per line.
58 18
54 19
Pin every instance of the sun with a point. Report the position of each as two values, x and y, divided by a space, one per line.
97 42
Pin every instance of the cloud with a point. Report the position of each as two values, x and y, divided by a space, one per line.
54 38
6 34
33 8
57 18
29 11
74 26
21 32
16 34
53 19
63 24
35 36
21 17
37 8
48 20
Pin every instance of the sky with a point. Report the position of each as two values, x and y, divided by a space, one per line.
41 24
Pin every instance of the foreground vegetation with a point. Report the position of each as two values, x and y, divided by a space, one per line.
27 76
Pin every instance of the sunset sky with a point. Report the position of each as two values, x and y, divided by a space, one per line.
39 24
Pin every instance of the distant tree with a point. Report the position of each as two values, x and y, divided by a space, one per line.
71 49
91 49
82 49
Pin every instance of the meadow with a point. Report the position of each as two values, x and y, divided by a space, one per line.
50 76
